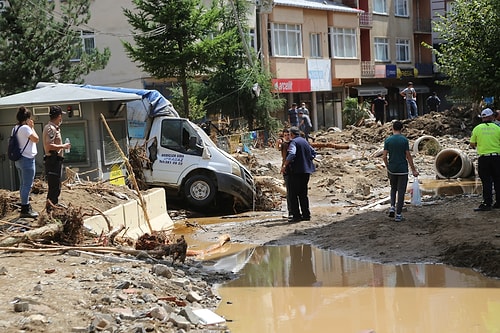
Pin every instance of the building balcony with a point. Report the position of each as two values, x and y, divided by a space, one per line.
366 20
367 69
422 26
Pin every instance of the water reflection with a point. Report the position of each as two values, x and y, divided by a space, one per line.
451 187
304 289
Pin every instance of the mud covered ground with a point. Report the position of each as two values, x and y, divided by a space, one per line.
349 183
74 291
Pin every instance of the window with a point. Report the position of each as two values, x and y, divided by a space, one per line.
381 46
253 39
286 40
401 8
402 50
119 129
76 133
179 136
380 6
86 44
315 41
343 41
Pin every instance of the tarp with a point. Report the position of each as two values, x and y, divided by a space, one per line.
61 93
159 105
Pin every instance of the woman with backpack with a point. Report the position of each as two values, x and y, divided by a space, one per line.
27 138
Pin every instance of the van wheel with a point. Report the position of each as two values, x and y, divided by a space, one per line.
200 191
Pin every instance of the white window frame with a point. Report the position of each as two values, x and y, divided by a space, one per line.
381 49
401 8
315 44
252 35
286 40
380 6
343 42
403 50
87 44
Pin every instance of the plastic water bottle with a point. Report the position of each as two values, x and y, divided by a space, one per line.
67 150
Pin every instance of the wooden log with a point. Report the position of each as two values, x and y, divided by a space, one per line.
329 145
46 232
273 183
215 247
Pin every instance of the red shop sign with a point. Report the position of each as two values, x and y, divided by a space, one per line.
291 85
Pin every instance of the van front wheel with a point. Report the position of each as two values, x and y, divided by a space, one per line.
200 191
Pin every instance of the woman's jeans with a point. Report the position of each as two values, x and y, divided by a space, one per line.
26 170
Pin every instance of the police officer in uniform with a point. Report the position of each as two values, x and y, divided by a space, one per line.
54 155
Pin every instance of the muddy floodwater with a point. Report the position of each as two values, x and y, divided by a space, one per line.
301 288
305 289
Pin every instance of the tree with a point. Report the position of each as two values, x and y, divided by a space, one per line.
230 89
178 39
38 43
470 53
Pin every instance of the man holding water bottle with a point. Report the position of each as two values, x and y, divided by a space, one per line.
54 155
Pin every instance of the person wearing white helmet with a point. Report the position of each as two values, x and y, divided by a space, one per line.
486 139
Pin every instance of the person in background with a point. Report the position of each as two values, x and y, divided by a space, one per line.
433 102
299 164
54 155
27 138
293 115
486 139
497 117
305 124
283 144
378 108
396 158
304 108
410 95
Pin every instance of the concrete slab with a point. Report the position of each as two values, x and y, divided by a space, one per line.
131 215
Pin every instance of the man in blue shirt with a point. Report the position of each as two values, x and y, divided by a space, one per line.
299 166
293 115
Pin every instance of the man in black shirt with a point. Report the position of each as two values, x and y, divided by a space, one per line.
433 102
378 108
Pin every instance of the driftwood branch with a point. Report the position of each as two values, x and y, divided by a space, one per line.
131 173
45 232
329 145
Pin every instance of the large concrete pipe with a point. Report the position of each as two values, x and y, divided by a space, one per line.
426 144
453 163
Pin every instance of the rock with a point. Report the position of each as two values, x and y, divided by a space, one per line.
21 306
162 270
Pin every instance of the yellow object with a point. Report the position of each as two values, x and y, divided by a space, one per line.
116 176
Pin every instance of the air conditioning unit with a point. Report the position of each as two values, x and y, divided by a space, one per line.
41 110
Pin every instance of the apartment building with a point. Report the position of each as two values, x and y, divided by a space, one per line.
392 54
318 51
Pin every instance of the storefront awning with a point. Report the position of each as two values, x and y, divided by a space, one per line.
419 88
366 90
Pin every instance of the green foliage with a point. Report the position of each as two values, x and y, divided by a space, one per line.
176 38
229 88
37 44
196 107
470 54
353 111
185 40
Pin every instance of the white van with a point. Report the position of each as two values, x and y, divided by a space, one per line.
182 157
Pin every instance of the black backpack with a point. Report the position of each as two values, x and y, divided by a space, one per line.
13 150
